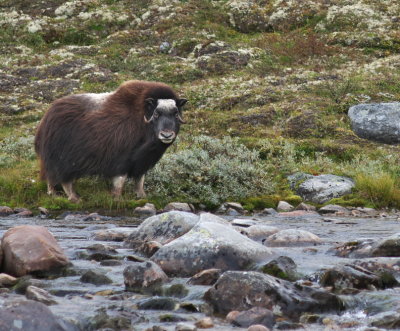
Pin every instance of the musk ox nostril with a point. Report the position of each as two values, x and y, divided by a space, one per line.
167 134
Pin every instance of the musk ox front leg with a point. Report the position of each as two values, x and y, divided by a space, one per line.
139 187
69 191
118 184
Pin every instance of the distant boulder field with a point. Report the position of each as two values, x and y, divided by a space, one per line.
378 122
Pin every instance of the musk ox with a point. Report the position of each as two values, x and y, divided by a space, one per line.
115 135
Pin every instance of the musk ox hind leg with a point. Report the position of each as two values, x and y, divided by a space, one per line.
139 187
69 191
118 185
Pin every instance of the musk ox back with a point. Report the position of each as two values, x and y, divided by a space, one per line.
116 135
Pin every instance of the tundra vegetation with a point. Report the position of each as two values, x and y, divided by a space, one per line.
269 86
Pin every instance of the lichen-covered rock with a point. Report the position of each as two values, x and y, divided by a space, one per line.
162 228
282 267
29 248
377 121
292 237
29 315
322 188
209 245
238 290
139 277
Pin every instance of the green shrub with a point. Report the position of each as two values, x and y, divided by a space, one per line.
210 171
380 189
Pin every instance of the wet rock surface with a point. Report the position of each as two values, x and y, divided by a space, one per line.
238 290
31 249
179 303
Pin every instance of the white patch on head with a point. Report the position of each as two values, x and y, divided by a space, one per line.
167 104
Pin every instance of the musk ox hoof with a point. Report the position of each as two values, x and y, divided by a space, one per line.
140 195
75 199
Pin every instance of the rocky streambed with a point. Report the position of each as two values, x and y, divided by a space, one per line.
182 271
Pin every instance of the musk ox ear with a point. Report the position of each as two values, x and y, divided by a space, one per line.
150 105
181 102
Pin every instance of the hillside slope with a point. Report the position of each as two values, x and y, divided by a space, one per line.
278 76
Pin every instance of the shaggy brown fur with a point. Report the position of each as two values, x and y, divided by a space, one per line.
81 136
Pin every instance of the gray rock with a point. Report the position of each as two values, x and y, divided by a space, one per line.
179 206
377 121
5 211
269 211
346 277
297 178
282 267
209 245
147 210
185 327
386 320
333 209
158 303
306 207
284 206
162 228
7 280
95 277
205 277
28 315
139 277
255 315
260 231
40 295
323 188
258 327
114 234
389 246
292 237
238 290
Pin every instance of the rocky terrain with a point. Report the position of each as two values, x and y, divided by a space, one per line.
183 271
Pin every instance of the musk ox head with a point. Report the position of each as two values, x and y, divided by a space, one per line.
165 117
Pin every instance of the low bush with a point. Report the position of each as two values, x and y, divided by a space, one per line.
210 171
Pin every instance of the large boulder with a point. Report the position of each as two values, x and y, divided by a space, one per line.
29 248
377 121
29 315
322 188
210 244
162 228
238 290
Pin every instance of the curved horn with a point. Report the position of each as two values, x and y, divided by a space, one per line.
146 120
181 120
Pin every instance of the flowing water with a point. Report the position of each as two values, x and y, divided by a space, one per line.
84 303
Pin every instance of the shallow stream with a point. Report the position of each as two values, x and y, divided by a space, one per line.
81 302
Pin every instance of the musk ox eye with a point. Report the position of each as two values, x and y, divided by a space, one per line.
156 115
